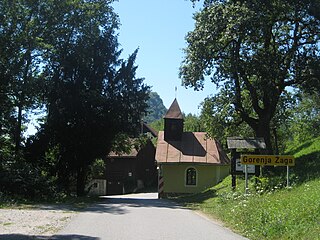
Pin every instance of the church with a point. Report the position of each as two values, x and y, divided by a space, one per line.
188 162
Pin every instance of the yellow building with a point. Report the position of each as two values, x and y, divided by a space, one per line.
188 162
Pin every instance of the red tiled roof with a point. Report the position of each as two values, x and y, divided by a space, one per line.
194 147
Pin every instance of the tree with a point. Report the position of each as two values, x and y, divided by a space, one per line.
65 55
220 119
92 94
193 123
158 125
21 30
255 49
304 121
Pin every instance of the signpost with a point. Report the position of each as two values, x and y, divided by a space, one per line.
239 145
246 162
267 160
241 168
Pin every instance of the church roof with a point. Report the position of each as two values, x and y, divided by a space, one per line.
147 128
194 147
174 111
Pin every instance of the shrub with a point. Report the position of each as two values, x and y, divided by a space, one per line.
19 178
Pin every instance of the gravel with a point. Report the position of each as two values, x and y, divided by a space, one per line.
42 220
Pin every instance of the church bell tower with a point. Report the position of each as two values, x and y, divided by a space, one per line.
173 123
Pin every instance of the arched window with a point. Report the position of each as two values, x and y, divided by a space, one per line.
191 177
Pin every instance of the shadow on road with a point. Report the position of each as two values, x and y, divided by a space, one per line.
120 204
72 237
57 237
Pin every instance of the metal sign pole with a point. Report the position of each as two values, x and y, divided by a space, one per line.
233 168
246 178
287 176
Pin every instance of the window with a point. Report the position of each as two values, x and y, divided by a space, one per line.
191 177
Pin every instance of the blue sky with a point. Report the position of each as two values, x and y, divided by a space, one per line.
158 28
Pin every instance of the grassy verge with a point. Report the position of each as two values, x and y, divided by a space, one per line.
270 213
72 203
279 214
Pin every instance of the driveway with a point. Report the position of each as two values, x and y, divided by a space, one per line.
142 217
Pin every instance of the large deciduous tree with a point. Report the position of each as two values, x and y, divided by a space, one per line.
21 32
255 49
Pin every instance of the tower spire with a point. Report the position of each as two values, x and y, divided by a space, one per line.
173 123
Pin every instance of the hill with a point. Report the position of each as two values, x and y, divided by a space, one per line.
272 212
307 160
156 109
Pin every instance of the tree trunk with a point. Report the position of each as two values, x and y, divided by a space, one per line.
276 141
18 128
263 130
63 181
21 99
81 180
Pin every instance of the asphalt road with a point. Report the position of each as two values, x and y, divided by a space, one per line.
142 217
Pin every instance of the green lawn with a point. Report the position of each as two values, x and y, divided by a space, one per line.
270 213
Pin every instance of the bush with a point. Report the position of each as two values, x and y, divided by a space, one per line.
19 178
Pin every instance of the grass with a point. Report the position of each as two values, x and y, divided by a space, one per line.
307 160
275 213
71 203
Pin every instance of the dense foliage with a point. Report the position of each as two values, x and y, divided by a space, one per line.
62 57
254 50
